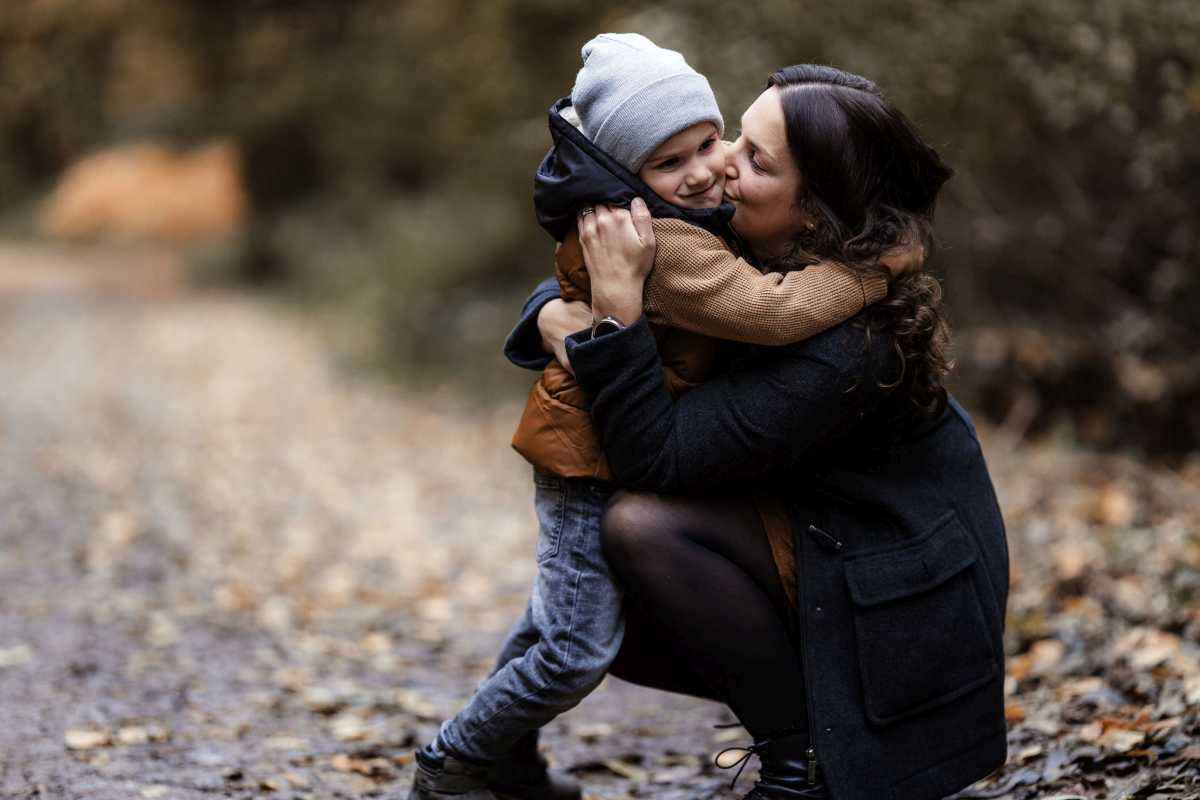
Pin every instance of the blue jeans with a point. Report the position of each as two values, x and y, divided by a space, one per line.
562 646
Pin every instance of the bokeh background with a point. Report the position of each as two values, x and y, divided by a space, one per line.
260 526
377 156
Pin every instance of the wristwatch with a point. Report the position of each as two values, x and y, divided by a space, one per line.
609 324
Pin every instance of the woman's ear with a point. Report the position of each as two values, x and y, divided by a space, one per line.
802 219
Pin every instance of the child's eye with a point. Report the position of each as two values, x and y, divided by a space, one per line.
708 144
669 164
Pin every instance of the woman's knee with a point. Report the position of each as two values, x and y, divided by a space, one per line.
633 523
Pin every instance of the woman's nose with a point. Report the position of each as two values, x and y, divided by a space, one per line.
731 172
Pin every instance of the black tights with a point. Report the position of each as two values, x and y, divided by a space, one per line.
706 612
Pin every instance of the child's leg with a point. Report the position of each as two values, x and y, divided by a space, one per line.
576 611
520 638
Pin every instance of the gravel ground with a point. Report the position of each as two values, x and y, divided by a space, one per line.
231 567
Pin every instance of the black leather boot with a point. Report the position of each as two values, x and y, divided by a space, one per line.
524 775
787 768
444 777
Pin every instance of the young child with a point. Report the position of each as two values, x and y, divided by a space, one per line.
649 127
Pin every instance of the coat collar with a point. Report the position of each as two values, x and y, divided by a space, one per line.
576 173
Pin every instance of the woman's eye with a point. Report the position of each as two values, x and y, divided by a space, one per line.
757 167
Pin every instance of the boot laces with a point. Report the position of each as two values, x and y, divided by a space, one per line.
754 749
741 761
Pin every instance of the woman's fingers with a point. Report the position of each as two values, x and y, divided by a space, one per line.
642 222
618 260
605 225
585 222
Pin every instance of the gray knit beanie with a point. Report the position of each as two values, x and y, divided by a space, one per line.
632 95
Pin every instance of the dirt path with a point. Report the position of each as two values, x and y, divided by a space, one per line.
234 570
230 569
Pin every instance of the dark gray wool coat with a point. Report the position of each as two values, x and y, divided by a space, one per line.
902 563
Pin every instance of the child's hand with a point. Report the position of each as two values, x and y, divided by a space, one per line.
904 259
556 321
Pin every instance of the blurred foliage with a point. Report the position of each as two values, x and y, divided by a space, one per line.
389 148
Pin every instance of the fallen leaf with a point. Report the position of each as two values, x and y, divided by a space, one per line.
1191 690
1045 655
1071 559
1019 666
1114 507
1091 732
15 656
133 735
284 743
1028 753
729 735
1120 741
86 739
415 703
593 730
1081 686
626 770
349 728
298 780
1147 648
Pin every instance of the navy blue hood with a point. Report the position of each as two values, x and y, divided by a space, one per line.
576 173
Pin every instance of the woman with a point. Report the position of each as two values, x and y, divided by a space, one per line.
885 678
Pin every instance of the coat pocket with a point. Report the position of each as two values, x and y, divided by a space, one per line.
920 629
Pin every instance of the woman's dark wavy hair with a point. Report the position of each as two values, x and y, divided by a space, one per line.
869 183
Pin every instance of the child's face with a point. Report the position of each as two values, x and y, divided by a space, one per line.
688 170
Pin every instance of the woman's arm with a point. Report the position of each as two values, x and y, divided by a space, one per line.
733 428
730 429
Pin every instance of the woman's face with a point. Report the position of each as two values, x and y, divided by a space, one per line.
762 179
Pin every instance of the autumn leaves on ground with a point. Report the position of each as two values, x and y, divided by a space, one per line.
233 567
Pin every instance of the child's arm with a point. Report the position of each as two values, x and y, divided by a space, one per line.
699 285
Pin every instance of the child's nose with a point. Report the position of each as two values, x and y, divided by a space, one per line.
698 175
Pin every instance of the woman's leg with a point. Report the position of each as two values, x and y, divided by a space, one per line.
650 658
700 572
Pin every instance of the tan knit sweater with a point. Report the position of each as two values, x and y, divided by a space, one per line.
699 285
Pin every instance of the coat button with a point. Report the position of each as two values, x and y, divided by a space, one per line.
825 539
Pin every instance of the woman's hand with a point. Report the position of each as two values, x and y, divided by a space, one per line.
903 259
618 248
557 320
